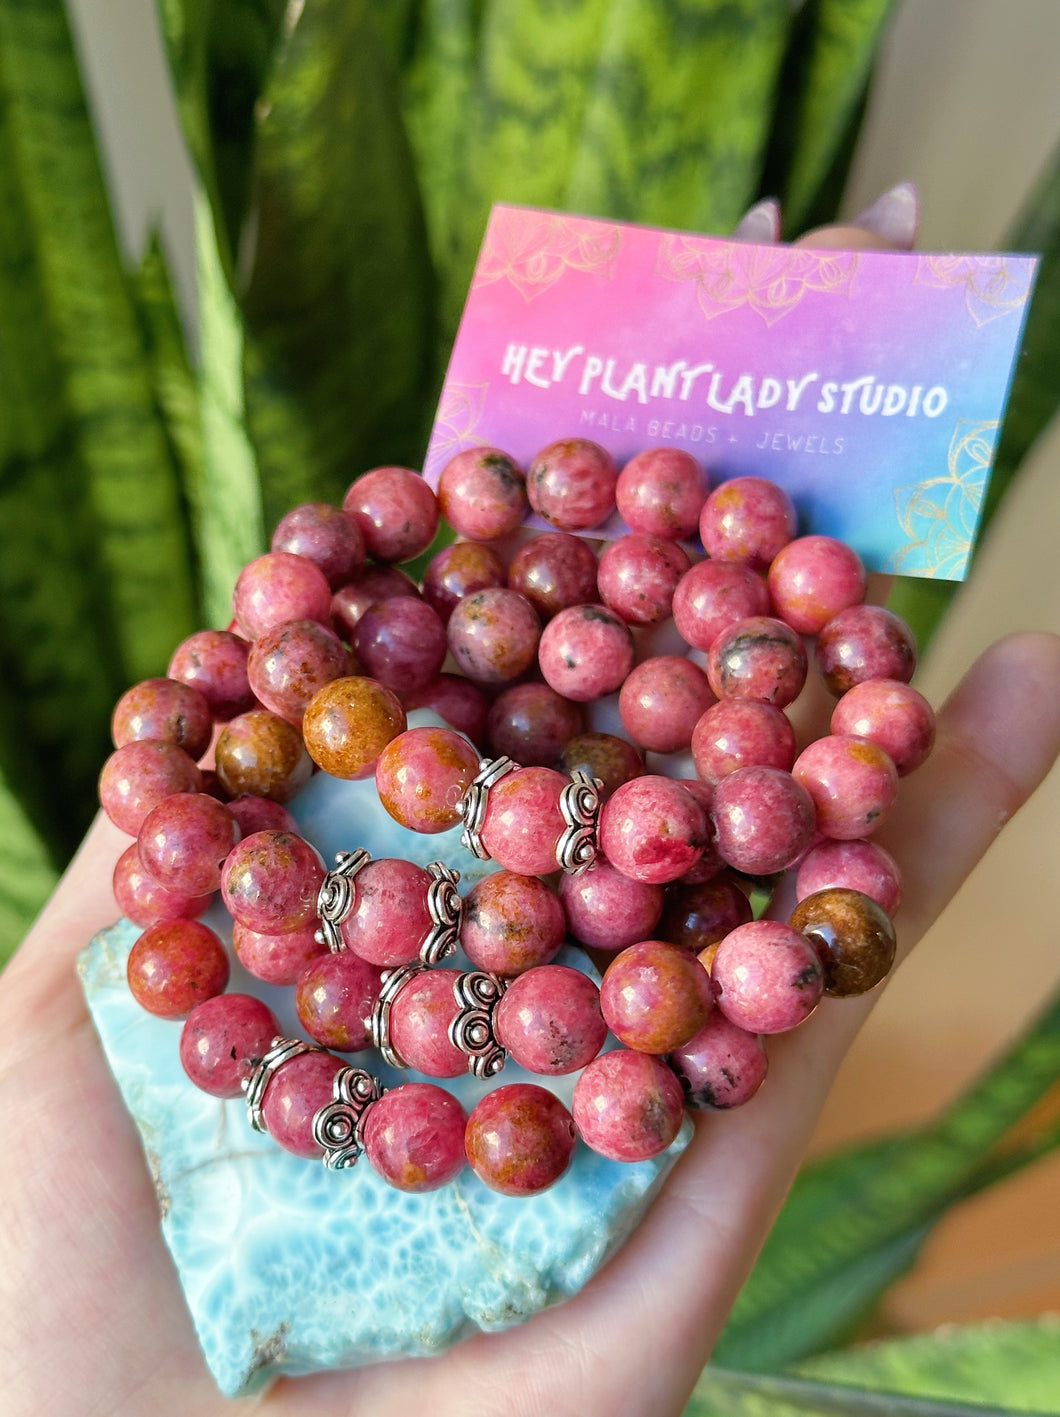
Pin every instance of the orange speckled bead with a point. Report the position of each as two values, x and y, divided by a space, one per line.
853 936
261 754
422 775
348 724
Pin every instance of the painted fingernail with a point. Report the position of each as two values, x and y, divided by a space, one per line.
895 216
759 223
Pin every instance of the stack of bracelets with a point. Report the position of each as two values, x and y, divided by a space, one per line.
331 644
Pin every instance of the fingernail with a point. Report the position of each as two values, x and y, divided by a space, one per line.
759 223
895 216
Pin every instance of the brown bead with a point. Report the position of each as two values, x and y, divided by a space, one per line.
613 760
348 724
853 936
698 916
261 754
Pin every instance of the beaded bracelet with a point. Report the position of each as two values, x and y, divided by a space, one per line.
654 870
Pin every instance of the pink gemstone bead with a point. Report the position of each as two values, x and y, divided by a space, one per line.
276 958
607 910
278 587
660 493
400 642
520 1139
377 583
334 999
712 596
764 820
604 756
554 572
653 830
419 1024
739 733
853 784
862 643
136 778
223 1039
662 701
532 724
853 865
271 881
184 841
215 663
460 570
760 658
638 575
586 652
175 965
421 776
511 923
571 484
493 635
628 1106
414 1137
523 822
295 1094
324 535
288 663
143 901
767 977
260 814
166 711
396 511
893 715
549 1020
454 698
722 1066
482 493
655 996
812 579
747 519
698 916
390 917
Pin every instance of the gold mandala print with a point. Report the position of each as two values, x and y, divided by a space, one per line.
940 514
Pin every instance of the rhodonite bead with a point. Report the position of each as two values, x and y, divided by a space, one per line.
414 1137
571 484
759 658
697 916
396 511
549 1020
722 1066
270 882
259 814
421 776
660 492
655 996
324 535
604 756
812 579
460 570
420 1017
143 901
137 777
376 583
520 1139
767 977
400 642
262 755
165 710
183 842
493 635
482 493
628 1106
334 999
523 822
348 724
764 820
175 965
741 733
653 830
638 575
712 596
586 652
853 784
278 587
862 643
462 704
892 714
853 936
290 662
554 572
858 866
531 724
214 662
390 917
296 1092
223 1039
661 702
607 910
276 958
511 923
747 519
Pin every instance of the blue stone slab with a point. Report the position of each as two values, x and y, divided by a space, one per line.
290 1268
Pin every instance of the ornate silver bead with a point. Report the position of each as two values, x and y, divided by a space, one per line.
281 1051
474 801
446 909
338 1127
580 804
336 895
477 994
394 980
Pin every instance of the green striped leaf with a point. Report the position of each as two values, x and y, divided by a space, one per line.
28 876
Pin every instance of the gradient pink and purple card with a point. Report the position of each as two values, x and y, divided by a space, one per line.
871 385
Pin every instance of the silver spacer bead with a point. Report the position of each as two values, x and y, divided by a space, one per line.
477 994
580 804
473 803
338 1127
394 980
336 895
446 909
281 1051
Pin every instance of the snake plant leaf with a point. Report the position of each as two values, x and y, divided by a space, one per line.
29 875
